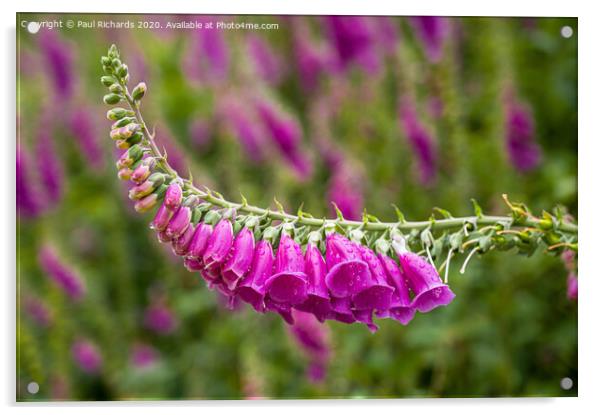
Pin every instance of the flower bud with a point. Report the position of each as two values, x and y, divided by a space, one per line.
143 171
111 99
146 203
178 223
135 139
131 156
122 71
107 80
181 244
146 188
173 197
116 63
139 91
105 61
161 219
123 122
212 217
124 173
122 144
115 114
116 89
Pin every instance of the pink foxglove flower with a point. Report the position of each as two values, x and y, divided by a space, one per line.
288 284
160 319
84 131
240 258
218 247
430 292
252 288
401 305
50 166
318 299
348 274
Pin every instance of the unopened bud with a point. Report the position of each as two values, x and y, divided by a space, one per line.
107 80
139 91
211 217
122 144
111 99
116 63
105 61
115 114
135 139
146 203
124 173
122 71
116 89
123 122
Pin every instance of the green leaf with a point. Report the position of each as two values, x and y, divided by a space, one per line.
478 211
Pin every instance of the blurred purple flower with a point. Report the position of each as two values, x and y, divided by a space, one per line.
58 58
49 164
311 59
84 131
177 160
213 54
143 356
61 274
243 124
38 311
387 33
522 148
354 42
200 133
432 32
286 132
86 356
267 64
160 319
345 191
27 204
420 141
314 340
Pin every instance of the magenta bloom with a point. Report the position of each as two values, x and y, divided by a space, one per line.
286 133
63 276
240 258
318 300
353 41
27 204
311 60
288 285
523 150
430 292
83 129
178 223
160 319
348 274
181 244
198 244
218 247
420 141
58 59
571 286
252 288
401 305
143 356
86 356
377 296
432 32
267 64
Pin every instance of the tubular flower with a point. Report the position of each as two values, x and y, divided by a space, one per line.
377 296
252 288
318 300
162 218
218 247
288 285
400 308
240 258
197 246
430 292
178 223
173 197
347 274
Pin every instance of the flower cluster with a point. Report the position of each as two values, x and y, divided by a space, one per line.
333 277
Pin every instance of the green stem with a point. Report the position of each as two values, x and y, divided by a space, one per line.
435 225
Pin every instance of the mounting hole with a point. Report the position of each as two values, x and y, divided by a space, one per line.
566 32
33 388
566 383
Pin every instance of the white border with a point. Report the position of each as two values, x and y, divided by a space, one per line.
590 94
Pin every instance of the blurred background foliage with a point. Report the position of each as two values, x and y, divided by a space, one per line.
137 325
